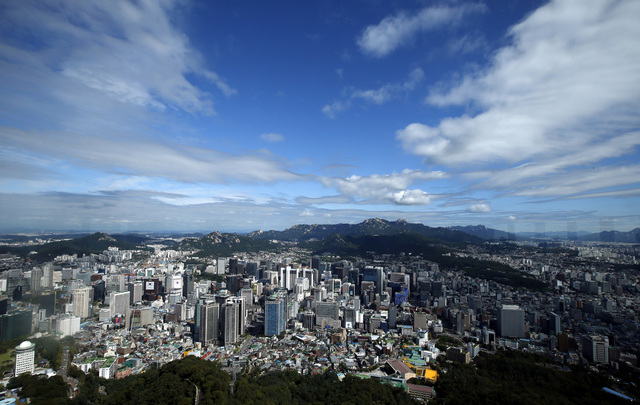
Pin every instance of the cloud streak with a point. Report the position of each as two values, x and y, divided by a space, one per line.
397 31
131 52
377 96
148 157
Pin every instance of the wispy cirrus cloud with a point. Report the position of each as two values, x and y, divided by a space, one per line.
398 30
377 96
143 156
272 137
99 86
543 115
131 51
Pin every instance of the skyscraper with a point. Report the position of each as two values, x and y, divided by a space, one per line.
81 300
36 279
274 309
231 320
187 284
209 318
511 321
47 276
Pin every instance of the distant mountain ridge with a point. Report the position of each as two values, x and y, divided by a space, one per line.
369 227
225 244
483 232
94 243
632 236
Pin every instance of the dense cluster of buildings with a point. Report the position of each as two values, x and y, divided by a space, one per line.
293 311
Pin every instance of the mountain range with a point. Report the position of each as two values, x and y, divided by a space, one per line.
373 226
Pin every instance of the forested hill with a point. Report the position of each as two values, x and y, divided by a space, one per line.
374 226
176 383
94 243
225 244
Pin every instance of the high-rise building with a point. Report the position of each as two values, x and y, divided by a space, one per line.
247 294
81 302
119 303
233 266
180 309
36 279
25 357
274 318
135 292
209 319
48 303
393 316
596 349
511 321
242 314
231 321
375 275
47 276
308 320
555 323
15 323
221 265
187 284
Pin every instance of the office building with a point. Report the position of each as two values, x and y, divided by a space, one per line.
554 323
596 349
135 292
375 275
48 303
67 325
511 321
25 358
15 323
274 315
187 284
209 319
119 303
326 311
180 309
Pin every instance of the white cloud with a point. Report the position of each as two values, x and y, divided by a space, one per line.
272 137
411 197
479 208
559 97
130 51
511 218
387 188
142 156
396 31
377 96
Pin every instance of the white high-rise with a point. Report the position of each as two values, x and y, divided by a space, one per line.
81 300
119 303
25 358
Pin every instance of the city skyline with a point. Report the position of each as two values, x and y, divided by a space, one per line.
152 116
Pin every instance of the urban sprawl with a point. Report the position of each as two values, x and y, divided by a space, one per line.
383 317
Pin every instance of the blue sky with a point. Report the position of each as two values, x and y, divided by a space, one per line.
236 116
